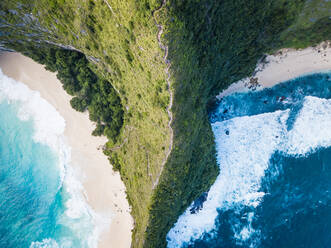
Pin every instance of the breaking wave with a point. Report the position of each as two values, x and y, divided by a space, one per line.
292 119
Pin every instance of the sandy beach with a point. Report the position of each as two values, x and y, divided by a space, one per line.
103 188
284 65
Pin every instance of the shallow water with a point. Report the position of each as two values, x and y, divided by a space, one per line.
273 149
40 200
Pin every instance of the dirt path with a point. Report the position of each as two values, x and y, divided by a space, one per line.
165 58
109 6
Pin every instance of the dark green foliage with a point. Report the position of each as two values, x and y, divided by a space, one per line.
89 91
79 104
228 37
320 31
114 160
212 44
99 130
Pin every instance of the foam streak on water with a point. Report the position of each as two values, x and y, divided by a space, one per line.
244 148
75 223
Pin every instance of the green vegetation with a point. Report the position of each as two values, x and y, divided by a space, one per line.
311 12
92 93
301 37
211 44
121 44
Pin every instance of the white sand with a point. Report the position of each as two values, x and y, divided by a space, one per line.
104 190
284 65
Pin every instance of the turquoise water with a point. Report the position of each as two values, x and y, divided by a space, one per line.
29 184
40 202
274 188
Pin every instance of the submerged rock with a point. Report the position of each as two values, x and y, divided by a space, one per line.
198 203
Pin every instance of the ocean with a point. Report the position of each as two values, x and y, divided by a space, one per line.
274 187
41 202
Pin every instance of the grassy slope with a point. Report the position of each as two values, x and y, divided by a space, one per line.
211 44
312 25
123 41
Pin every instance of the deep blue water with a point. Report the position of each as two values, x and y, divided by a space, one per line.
285 95
274 188
296 212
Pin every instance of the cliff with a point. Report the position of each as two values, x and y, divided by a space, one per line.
211 44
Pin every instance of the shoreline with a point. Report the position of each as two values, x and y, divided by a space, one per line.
284 65
103 189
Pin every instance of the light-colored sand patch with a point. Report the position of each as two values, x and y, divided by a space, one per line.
104 190
284 65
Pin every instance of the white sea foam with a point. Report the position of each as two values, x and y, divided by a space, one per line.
46 243
49 124
49 127
243 156
312 128
244 146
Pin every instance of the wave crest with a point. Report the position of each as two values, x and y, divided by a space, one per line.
49 127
